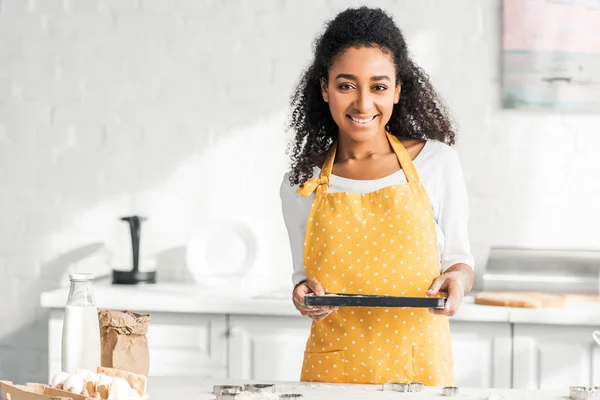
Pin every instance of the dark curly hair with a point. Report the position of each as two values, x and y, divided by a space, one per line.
420 113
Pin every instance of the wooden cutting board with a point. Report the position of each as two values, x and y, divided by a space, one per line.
531 299
521 300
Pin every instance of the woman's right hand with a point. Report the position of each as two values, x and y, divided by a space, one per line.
311 286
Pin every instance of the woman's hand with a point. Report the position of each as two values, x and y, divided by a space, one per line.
311 286
455 282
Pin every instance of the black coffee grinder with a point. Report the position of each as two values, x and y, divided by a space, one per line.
135 276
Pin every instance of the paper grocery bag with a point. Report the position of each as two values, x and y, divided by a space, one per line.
123 341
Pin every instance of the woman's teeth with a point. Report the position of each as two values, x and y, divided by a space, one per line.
362 120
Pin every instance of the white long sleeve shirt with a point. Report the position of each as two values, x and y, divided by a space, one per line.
440 171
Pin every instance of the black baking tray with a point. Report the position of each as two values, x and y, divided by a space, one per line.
356 300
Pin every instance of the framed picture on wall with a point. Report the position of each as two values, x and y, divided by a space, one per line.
551 55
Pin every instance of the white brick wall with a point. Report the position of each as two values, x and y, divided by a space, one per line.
175 109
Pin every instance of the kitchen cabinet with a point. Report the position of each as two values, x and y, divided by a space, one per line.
482 353
554 357
272 348
267 347
487 354
180 344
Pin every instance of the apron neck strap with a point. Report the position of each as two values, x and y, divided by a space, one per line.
403 158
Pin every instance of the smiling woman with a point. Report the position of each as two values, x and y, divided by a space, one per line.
375 204
362 57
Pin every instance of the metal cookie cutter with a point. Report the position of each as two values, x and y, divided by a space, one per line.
229 395
594 393
578 393
450 391
260 388
229 388
416 387
395 386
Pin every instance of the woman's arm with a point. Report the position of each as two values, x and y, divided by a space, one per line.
294 216
457 263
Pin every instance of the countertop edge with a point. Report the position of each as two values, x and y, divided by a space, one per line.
188 299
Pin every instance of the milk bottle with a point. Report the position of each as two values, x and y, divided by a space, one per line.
81 330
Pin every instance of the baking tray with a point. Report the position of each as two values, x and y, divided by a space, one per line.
361 300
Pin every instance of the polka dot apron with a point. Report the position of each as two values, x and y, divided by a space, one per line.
378 243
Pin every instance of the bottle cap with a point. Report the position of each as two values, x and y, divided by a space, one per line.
81 277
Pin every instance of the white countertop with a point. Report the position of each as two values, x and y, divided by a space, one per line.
201 389
190 298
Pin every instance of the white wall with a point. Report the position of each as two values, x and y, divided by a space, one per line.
175 109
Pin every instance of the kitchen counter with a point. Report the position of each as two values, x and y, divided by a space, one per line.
191 388
190 298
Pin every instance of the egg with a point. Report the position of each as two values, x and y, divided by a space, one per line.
93 376
74 384
83 372
119 389
59 379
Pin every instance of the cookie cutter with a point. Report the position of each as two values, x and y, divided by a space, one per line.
578 393
229 395
416 387
218 389
584 393
395 387
259 388
450 391
291 396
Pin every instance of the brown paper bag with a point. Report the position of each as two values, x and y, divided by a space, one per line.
123 341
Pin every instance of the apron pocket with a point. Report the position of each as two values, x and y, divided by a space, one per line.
433 368
323 367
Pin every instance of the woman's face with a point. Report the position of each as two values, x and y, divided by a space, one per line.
361 91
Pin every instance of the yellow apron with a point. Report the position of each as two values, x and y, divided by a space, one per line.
380 243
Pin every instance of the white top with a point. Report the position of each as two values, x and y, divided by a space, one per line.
441 174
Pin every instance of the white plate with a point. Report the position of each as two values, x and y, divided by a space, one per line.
221 249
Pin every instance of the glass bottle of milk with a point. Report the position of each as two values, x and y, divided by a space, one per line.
81 329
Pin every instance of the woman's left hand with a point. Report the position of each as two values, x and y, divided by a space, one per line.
456 282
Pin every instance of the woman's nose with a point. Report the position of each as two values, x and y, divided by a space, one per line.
363 102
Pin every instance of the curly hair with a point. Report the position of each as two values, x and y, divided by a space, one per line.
420 113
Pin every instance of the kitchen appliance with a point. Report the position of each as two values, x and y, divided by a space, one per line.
539 270
134 276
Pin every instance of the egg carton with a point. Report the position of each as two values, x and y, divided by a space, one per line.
39 391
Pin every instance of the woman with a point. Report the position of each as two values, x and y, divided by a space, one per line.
375 203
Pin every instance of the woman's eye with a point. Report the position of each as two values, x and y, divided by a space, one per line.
345 86
379 88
